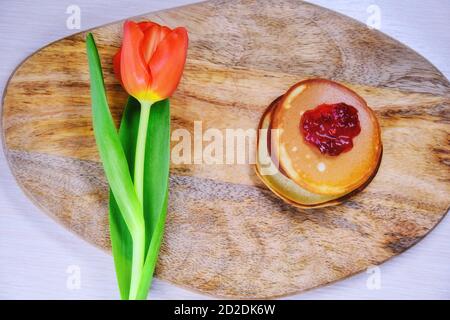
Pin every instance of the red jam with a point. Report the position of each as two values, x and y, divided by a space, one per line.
331 127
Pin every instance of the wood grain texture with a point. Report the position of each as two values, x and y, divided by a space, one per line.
226 233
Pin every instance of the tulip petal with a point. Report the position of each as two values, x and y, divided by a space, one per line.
135 74
164 32
153 35
150 41
167 63
144 25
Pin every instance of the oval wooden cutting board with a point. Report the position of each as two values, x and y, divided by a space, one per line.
227 234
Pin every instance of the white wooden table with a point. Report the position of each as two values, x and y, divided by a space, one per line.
39 259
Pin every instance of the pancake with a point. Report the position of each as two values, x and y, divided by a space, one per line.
305 164
275 180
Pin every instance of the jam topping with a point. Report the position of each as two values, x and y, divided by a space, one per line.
331 127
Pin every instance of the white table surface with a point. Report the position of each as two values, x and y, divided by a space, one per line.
39 259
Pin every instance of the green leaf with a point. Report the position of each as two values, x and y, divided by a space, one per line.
122 247
156 166
108 143
122 244
114 161
156 174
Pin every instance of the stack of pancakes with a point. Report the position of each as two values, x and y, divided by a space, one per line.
299 172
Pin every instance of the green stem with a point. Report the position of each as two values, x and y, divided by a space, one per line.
139 237
140 151
137 262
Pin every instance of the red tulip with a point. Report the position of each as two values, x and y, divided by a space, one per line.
151 61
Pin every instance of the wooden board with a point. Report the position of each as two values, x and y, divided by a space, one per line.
226 234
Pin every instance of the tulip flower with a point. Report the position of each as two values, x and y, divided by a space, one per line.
151 61
149 66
